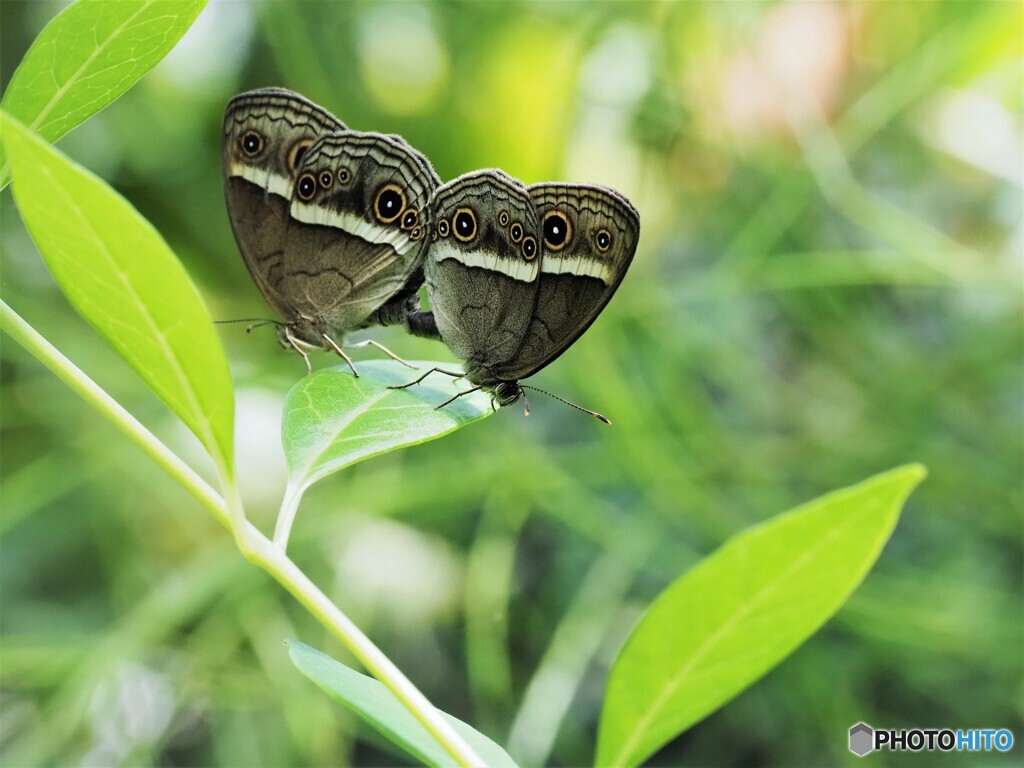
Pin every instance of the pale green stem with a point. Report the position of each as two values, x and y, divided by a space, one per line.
28 337
286 515
256 547
274 561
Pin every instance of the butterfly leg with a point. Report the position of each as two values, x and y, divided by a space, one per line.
456 397
297 346
334 345
382 348
421 378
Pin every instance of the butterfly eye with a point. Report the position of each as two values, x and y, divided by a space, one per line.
305 187
410 218
604 240
503 218
343 176
442 228
529 248
326 179
389 204
464 224
297 152
252 143
557 230
517 232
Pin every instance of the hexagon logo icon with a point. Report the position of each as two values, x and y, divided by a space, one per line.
862 739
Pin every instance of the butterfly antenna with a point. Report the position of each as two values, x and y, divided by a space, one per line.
254 322
595 414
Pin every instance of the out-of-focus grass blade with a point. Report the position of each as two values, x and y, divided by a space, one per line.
332 419
123 278
816 269
742 610
379 708
91 53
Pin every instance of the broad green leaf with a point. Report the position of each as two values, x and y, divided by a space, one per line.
379 708
742 610
332 419
120 275
87 56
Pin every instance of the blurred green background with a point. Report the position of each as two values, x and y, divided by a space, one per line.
828 284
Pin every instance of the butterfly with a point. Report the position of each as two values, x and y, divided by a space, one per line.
331 222
516 274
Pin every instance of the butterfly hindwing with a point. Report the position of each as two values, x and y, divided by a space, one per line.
358 220
588 237
482 268
265 136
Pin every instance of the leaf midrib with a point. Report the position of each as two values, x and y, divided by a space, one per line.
308 477
197 412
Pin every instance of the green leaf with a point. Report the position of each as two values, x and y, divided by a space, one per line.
332 419
120 275
380 709
91 53
741 611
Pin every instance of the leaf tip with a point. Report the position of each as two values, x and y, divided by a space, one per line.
916 470
907 477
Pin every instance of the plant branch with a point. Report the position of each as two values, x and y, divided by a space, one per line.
286 516
273 560
256 547
28 337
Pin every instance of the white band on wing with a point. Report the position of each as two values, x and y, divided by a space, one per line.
314 214
579 266
352 224
517 269
268 180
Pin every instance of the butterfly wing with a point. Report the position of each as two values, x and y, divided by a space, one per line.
482 268
589 235
358 217
264 138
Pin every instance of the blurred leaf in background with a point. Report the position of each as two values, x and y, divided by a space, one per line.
828 284
91 53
